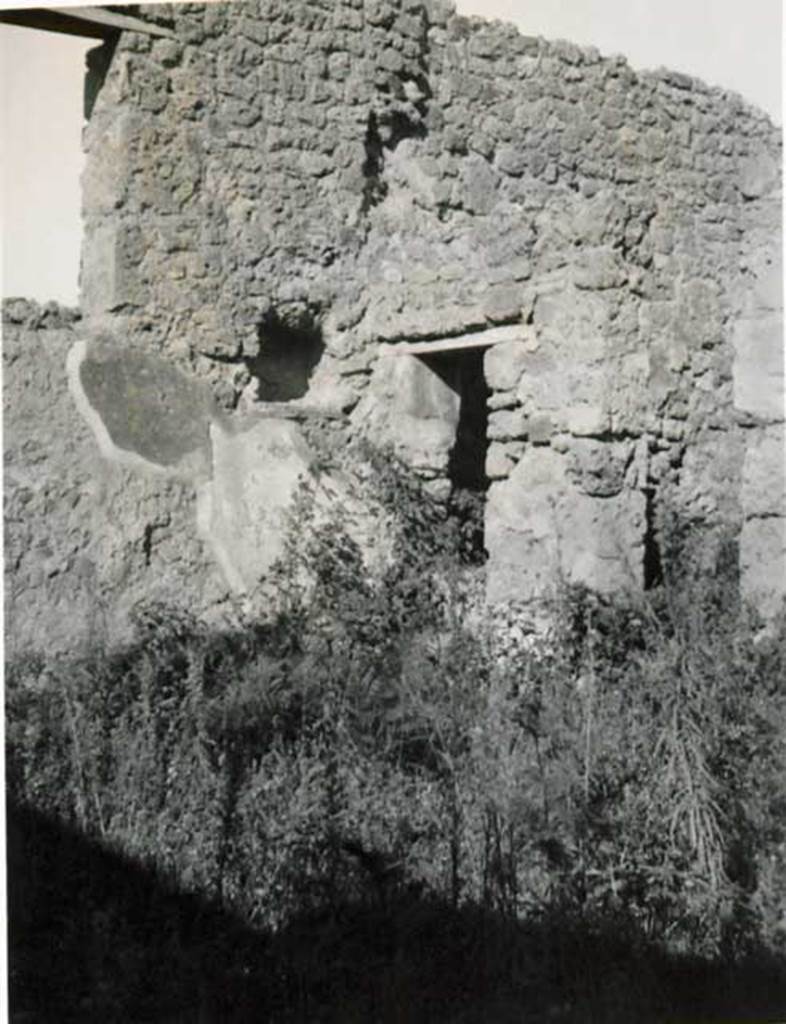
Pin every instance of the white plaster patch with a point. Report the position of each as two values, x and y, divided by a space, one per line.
242 511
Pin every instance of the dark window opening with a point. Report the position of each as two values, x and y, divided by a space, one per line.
374 187
653 563
289 350
463 372
467 468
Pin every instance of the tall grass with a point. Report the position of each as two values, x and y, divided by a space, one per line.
383 741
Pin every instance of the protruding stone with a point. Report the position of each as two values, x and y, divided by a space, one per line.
507 425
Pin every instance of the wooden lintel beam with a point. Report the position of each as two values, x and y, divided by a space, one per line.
479 339
92 22
430 348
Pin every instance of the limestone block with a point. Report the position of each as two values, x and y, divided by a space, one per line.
655 317
541 429
758 367
507 424
587 420
575 322
598 268
547 386
511 267
502 303
502 400
540 529
503 364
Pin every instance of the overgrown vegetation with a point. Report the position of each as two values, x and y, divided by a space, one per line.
392 804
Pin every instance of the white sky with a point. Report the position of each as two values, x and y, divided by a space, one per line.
736 44
729 43
41 78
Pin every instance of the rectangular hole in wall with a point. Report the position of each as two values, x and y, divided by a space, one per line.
462 371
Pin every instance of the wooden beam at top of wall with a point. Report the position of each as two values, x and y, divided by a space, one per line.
93 22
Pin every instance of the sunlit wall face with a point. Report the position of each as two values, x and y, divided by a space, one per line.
724 42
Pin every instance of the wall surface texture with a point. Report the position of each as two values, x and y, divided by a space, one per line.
281 197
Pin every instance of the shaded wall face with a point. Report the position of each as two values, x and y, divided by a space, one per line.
391 172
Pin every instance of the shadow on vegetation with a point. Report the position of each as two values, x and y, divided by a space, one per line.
95 936
386 805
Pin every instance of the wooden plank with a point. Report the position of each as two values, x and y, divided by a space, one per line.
479 339
92 22
48 21
113 20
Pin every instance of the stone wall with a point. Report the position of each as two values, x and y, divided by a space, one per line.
90 530
287 202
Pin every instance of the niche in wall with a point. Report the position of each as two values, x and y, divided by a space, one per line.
290 347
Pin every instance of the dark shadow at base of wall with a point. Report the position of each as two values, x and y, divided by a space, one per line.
97 936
